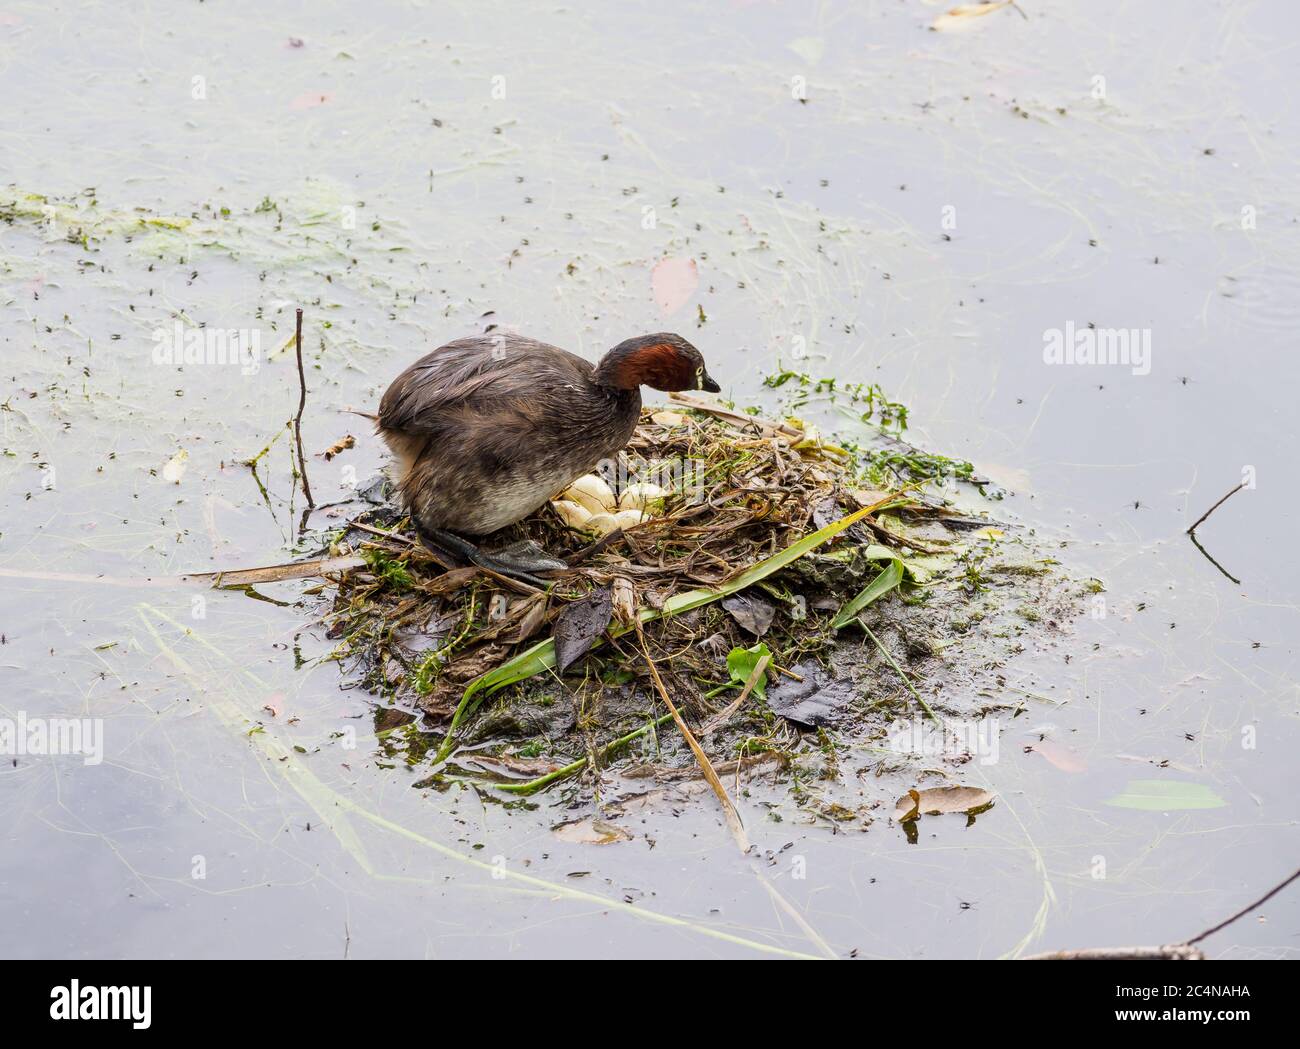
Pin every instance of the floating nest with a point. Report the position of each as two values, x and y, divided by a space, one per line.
782 587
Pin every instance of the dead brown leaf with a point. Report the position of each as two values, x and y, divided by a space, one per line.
525 614
448 581
937 800
341 445
579 626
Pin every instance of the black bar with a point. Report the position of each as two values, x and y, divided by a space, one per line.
259 998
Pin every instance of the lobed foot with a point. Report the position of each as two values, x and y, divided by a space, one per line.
518 560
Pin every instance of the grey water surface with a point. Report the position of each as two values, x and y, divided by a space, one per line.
862 197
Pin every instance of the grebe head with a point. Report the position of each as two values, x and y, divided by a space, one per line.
662 361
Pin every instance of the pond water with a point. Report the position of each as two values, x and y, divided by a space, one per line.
862 198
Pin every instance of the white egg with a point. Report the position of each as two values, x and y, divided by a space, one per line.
645 496
593 493
575 515
629 518
602 523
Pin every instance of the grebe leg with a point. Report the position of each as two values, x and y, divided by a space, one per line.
518 560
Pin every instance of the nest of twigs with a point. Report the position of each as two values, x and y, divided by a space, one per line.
688 588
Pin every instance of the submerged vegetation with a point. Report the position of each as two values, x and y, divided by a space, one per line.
889 459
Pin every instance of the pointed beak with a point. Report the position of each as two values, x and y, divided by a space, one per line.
710 385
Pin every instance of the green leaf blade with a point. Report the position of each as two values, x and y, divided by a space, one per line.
889 578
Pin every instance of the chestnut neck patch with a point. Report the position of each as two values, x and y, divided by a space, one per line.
646 361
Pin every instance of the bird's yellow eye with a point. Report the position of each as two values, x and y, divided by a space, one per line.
699 377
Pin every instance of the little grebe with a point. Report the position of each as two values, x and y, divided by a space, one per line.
487 429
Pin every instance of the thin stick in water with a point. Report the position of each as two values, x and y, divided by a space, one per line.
716 722
297 422
1245 910
1174 952
1184 951
1201 520
1197 543
899 671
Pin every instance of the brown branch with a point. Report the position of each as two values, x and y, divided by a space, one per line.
297 422
1245 910
229 577
1174 952
379 531
1169 952
1197 543
1201 520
